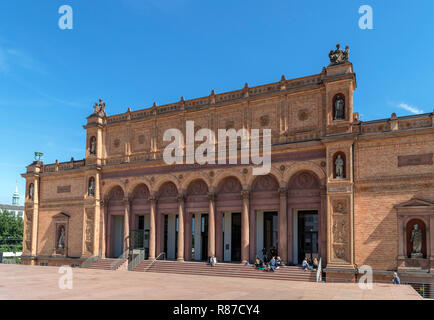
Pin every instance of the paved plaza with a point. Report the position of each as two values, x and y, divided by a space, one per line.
35 282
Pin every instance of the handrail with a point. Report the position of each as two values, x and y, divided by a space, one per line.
135 262
89 261
319 272
121 259
153 261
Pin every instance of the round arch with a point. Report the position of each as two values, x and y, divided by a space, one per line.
305 166
222 175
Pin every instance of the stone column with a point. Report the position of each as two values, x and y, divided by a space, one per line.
103 226
430 237
152 227
252 234
290 237
180 253
245 227
109 235
127 205
402 245
187 236
218 236
283 226
211 225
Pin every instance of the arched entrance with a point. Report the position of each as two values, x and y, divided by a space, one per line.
264 204
140 221
115 223
306 225
229 203
196 221
167 222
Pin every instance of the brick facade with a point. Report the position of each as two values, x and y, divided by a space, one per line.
386 163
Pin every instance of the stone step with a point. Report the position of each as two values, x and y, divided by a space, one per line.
288 273
104 264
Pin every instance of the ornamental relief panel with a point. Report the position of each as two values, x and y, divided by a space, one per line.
89 232
339 229
28 235
340 206
339 252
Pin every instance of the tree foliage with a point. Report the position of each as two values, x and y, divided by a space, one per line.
11 232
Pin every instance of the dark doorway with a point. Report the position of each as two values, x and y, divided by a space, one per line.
270 232
166 227
204 236
236 237
307 234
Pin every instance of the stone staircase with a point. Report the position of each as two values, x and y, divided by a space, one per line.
106 264
288 273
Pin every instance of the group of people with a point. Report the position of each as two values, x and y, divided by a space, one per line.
270 260
309 264
272 265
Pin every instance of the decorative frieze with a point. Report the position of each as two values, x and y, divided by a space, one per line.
63 189
415 160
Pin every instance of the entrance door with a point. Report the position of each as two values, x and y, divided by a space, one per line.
236 237
307 234
170 236
204 236
118 235
270 231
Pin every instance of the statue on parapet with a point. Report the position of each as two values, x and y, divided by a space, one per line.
339 56
99 108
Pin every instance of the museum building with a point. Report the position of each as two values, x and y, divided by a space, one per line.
347 191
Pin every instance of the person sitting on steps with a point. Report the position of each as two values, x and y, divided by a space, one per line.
257 262
315 264
305 264
273 264
213 261
278 262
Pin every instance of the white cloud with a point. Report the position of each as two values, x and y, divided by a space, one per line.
10 58
410 108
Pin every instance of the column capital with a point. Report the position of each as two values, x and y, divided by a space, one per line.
152 198
211 196
283 192
103 203
126 201
245 194
181 197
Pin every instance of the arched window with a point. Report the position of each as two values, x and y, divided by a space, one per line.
91 187
339 107
339 166
92 145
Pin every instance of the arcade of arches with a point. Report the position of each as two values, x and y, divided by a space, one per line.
232 223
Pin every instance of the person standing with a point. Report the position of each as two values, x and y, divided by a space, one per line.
396 279
264 255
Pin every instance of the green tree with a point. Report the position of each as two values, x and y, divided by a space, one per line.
11 232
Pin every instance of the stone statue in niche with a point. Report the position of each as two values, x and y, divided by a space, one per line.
339 163
93 145
31 192
91 190
61 242
339 108
416 240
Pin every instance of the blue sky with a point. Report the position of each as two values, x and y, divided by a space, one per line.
134 52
